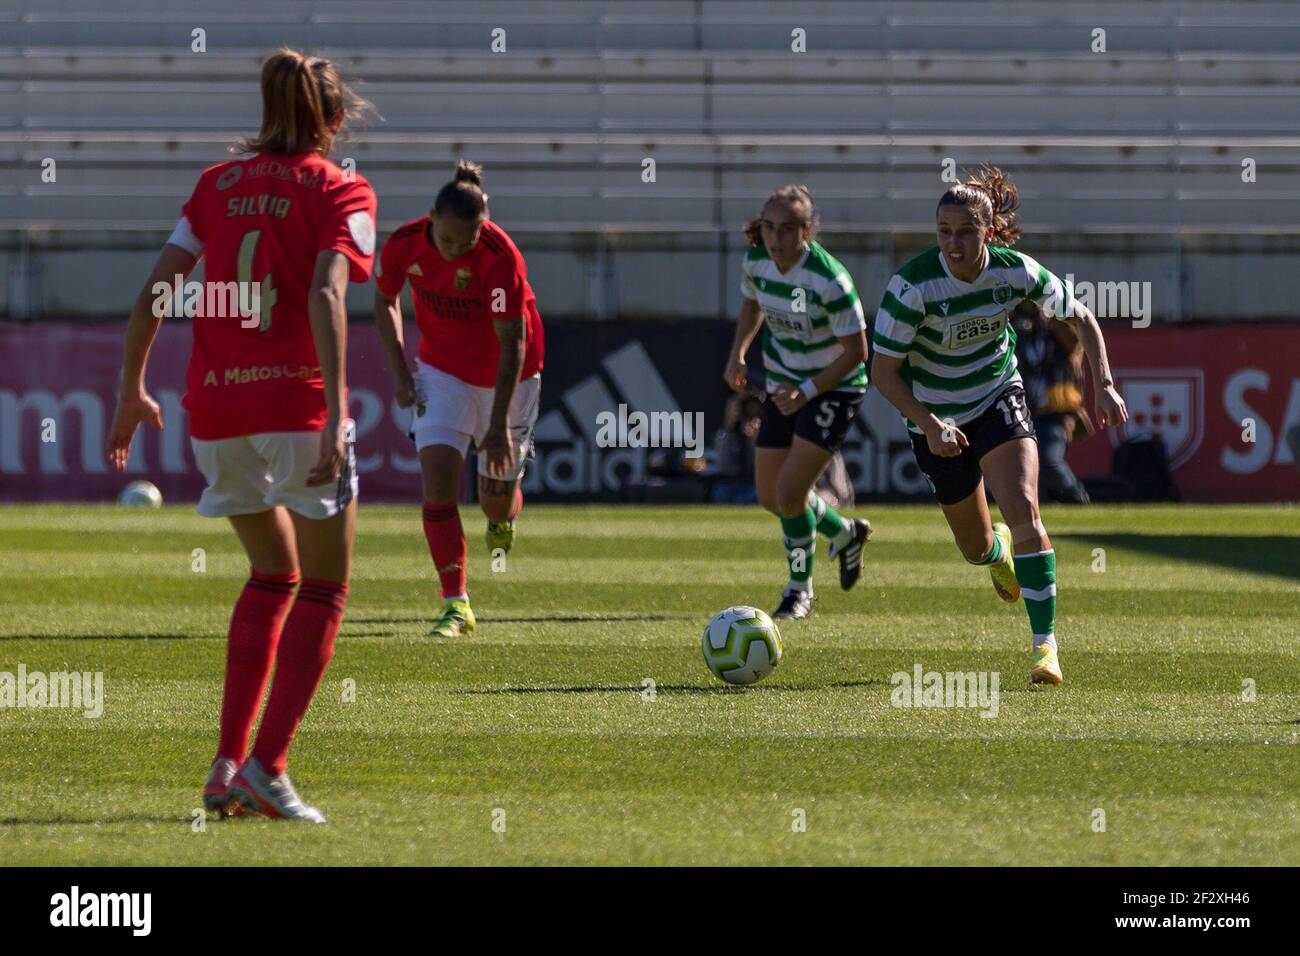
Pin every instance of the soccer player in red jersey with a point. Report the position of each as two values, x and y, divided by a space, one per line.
267 404
478 374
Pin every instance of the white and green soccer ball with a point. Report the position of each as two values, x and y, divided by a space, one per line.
741 645
140 494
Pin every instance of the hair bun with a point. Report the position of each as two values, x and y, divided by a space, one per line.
467 172
463 197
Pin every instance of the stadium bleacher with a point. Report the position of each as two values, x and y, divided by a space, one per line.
1129 160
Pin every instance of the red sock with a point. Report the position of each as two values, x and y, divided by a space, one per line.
305 652
254 634
518 504
446 537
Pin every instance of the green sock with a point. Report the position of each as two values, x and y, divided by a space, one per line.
994 555
1037 576
800 543
829 521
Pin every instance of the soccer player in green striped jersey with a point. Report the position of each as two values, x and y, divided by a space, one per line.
945 357
814 344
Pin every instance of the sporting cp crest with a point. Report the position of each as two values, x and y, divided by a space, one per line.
462 278
1164 402
1002 292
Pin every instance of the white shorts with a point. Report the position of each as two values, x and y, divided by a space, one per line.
451 412
253 473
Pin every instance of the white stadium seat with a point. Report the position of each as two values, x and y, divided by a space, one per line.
1139 148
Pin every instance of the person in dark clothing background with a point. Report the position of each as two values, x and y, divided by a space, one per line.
1051 362
734 450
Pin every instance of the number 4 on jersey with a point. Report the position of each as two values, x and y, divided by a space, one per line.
266 291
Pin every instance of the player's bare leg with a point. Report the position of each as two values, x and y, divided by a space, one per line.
971 525
255 627
983 542
1011 469
325 546
440 471
441 467
268 541
802 467
767 472
501 502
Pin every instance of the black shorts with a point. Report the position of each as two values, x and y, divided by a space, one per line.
824 421
953 479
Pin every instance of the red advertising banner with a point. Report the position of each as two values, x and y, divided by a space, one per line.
58 386
1222 399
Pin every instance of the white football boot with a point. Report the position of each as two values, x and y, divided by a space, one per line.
256 792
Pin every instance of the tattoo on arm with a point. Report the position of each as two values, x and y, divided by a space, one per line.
511 335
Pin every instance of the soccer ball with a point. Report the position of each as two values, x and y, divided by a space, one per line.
140 494
741 645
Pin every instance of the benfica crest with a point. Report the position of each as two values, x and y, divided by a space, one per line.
1168 403
462 278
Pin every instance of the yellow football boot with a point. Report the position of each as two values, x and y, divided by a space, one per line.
457 620
1004 572
1046 668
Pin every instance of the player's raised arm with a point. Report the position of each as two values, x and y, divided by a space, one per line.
134 403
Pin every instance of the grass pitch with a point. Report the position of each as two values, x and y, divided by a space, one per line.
538 721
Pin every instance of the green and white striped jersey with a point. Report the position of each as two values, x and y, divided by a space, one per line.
804 310
956 337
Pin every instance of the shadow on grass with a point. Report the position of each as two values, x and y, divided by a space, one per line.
92 821
671 688
111 637
427 619
535 618
1276 555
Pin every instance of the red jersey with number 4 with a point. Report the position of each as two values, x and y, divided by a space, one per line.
456 302
262 221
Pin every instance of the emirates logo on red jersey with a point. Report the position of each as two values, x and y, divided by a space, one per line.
462 278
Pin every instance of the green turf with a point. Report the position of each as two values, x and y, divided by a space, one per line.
540 713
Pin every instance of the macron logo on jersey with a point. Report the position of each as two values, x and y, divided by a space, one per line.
415 270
